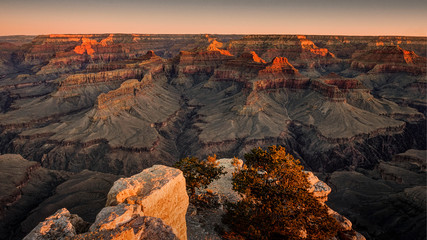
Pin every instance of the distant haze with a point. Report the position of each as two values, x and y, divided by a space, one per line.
325 17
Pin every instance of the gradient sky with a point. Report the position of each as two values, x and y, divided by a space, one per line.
337 17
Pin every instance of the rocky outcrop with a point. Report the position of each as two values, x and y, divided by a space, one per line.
60 225
128 222
335 88
147 228
64 62
256 74
112 217
331 92
112 223
280 74
149 205
199 61
122 95
161 193
319 189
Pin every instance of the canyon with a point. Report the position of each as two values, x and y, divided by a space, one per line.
102 106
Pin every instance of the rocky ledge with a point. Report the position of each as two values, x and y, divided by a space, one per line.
150 205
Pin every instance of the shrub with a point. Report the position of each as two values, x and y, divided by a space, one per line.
276 203
199 173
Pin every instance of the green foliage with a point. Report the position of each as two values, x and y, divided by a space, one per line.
199 173
276 203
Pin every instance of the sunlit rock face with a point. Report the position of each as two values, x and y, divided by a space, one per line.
161 193
60 225
149 205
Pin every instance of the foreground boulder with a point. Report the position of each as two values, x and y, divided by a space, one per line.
150 205
112 217
161 193
143 227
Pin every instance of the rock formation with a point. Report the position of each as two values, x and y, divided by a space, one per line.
319 189
149 205
60 225
160 191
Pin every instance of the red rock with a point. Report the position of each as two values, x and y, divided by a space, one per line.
279 65
389 59
252 56
301 51
280 74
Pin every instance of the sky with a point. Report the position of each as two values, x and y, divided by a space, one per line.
317 17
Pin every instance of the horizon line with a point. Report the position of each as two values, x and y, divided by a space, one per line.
242 34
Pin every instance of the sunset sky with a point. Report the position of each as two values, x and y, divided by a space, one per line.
338 17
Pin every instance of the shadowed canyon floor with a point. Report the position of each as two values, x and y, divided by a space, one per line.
115 104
